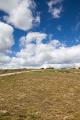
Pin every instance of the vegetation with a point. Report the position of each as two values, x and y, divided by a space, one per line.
41 95
4 71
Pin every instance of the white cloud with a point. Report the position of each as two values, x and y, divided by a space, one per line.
6 36
19 13
52 54
35 53
4 59
22 41
8 5
6 42
56 43
55 11
54 2
35 36
37 19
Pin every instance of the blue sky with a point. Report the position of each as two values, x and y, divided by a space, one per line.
54 23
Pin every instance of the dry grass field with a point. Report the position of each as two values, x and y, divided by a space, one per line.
41 95
11 71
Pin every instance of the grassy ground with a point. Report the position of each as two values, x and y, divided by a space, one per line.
42 95
5 71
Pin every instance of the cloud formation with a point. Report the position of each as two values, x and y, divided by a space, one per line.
36 54
6 42
20 13
54 10
37 49
6 36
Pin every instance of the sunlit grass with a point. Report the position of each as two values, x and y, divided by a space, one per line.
41 95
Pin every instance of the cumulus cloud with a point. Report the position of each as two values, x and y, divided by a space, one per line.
4 59
35 53
6 36
32 37
20 13
38 54
55 11
8 5
6 42
35 36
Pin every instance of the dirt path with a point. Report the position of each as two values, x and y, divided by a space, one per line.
8 74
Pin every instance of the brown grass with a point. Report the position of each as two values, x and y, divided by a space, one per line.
45 95
4 71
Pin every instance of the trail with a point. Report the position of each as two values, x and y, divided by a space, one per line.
14 73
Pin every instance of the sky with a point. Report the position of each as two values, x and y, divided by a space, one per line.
39 33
